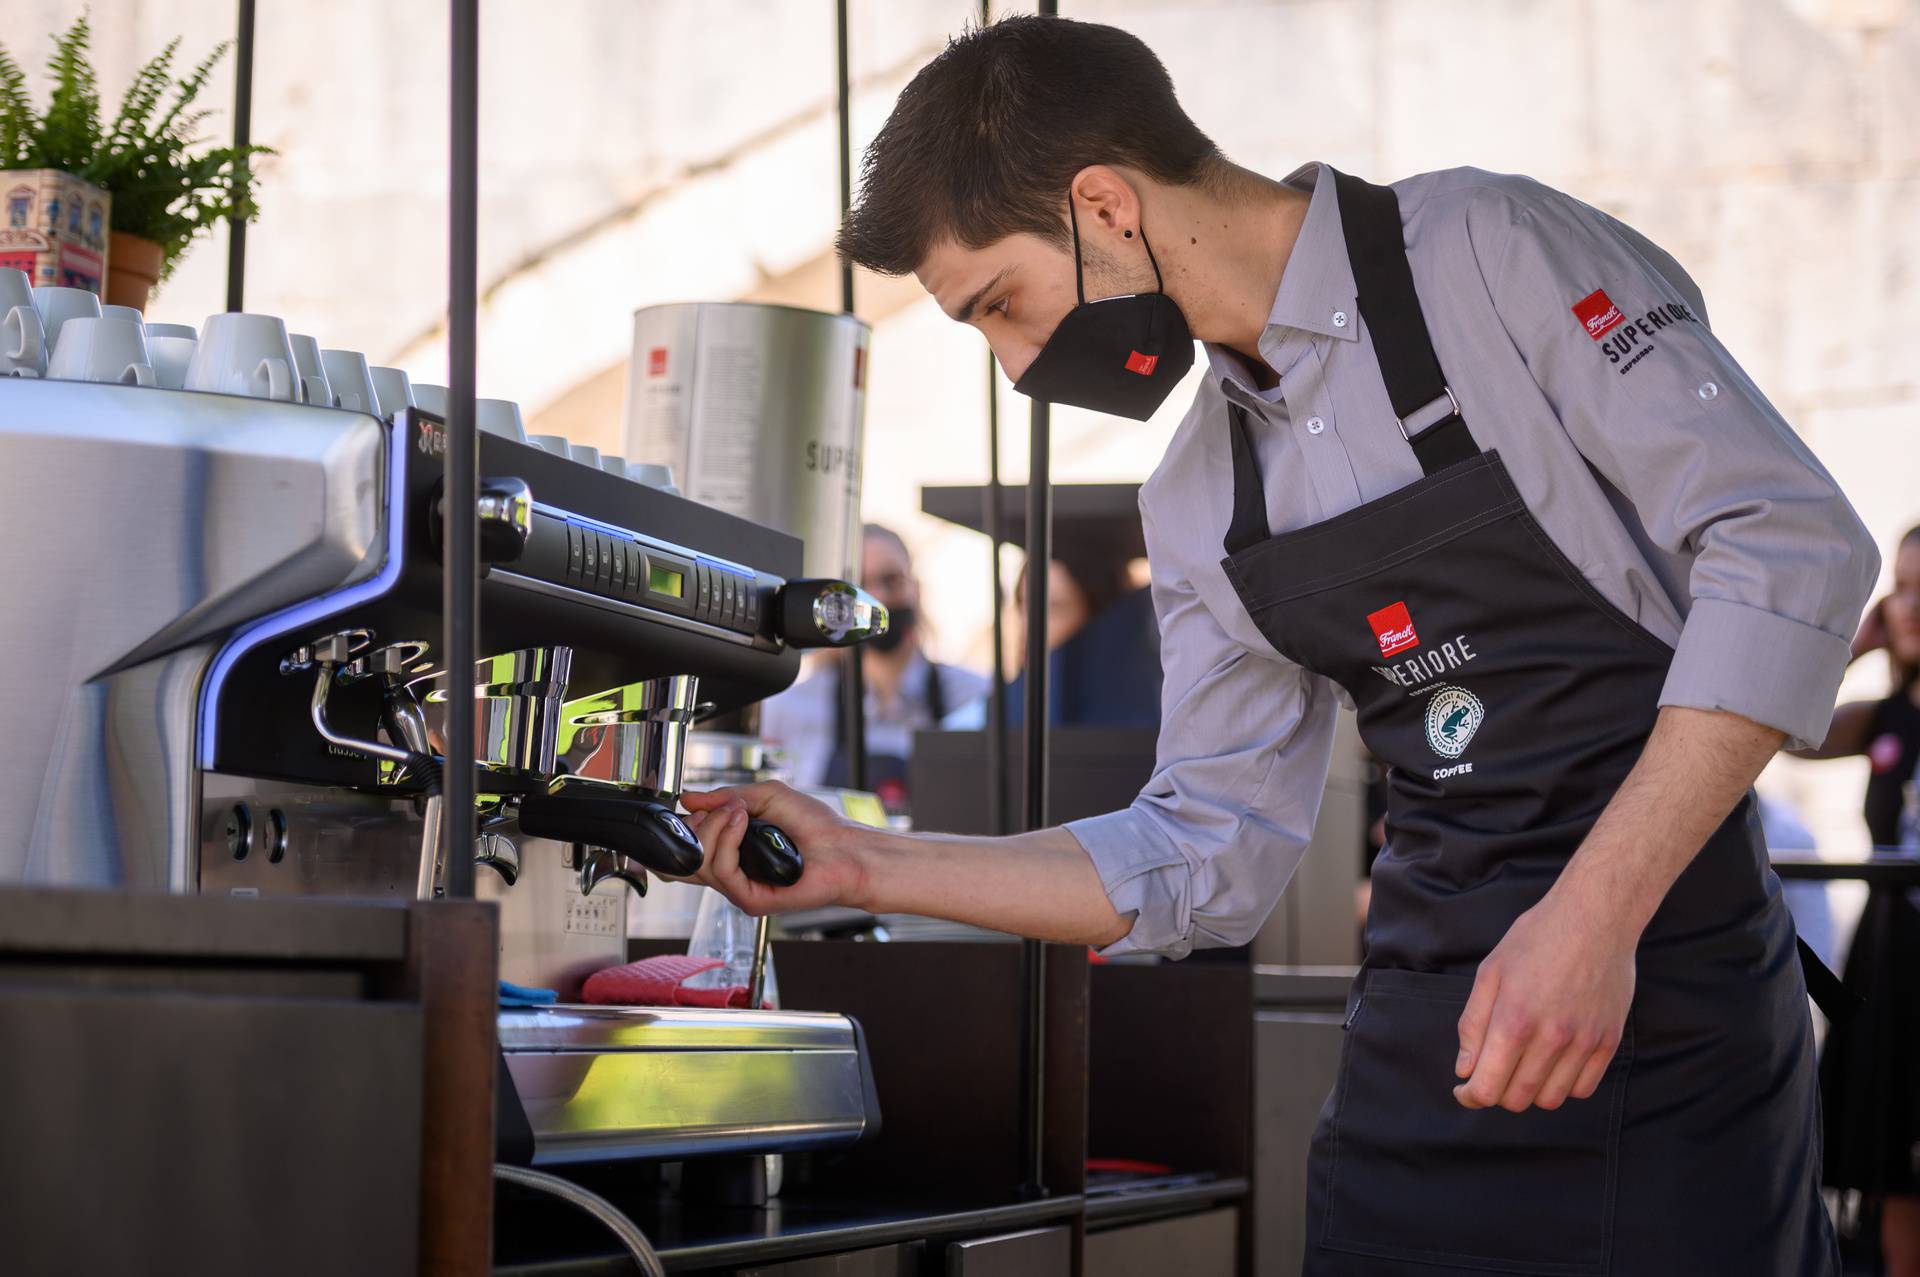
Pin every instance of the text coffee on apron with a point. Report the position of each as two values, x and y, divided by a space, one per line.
1509 700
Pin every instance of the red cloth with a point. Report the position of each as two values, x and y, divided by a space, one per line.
660 982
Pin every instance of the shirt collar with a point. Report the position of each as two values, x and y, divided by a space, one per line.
1316 295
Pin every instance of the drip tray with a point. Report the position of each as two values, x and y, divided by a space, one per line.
605 1083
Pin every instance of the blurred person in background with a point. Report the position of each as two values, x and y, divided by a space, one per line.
1870 1070
905 690
1103 645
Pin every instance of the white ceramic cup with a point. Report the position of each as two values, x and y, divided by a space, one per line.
430 398
500 417
556 444
57 305
614 465
392 388
314 386
172 330
172 356
124 312
351 379
102 349
654 476
23 341
585 454
243 354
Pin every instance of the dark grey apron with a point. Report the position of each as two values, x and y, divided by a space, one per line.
1509 699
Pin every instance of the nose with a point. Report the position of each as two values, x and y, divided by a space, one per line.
1014 355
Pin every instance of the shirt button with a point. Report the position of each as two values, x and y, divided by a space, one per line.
1315 425
1708 390
1339 319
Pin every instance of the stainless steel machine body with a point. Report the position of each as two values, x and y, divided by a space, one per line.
223 614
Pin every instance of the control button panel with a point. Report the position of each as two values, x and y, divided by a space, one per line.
633 569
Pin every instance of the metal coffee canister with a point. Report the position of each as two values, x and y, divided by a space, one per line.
761 412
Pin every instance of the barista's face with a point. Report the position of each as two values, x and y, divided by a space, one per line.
886 574
1017 290
1902 613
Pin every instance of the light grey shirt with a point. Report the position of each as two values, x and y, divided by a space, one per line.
802 718
1581 352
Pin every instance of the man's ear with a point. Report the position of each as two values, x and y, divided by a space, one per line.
1104 201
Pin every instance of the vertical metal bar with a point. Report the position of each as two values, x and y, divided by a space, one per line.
853 682
242 136
459 597
1033 1125
995 524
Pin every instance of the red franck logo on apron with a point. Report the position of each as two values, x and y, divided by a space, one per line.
1393 626
1142 364
1597 313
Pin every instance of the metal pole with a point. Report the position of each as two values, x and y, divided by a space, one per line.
995 523
459 595
242 137
1032 953
853 681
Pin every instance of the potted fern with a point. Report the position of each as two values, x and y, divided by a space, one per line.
166 186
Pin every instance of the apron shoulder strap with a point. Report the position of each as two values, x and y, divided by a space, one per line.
1377 250
1249 525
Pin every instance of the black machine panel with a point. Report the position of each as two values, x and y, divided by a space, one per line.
640 583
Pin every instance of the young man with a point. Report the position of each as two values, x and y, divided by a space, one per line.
1467 456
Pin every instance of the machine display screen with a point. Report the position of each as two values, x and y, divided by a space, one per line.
664 580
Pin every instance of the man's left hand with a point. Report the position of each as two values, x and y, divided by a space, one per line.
1547 1011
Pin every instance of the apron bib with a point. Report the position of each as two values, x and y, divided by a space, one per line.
1509 699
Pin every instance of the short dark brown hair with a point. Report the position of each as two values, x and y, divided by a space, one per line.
986 138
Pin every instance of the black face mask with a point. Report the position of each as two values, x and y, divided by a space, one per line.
1121 355
900 621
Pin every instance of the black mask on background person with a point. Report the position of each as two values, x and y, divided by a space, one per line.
900 621
1121 355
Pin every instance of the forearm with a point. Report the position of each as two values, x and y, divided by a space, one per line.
1696 765
1039 885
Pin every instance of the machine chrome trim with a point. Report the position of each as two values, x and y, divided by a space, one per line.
570 1027
667 1082
279 624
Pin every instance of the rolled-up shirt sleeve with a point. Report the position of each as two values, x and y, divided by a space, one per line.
1201 856
1616 338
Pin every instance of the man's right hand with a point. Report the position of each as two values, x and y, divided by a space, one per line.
833 873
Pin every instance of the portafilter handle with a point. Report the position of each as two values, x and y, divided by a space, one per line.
827 613
603 816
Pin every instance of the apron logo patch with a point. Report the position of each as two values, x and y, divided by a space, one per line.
1453 716
1142 364
1393 627
1597 313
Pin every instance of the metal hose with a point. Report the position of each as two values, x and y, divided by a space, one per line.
600 1208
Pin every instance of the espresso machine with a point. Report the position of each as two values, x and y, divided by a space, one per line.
224 681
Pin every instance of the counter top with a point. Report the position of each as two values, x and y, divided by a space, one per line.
1879 868
702 1237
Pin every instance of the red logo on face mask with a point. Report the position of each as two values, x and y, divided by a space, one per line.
1597 313
1393 626
1142 364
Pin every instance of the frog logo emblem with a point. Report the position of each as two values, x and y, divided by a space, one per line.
1453 715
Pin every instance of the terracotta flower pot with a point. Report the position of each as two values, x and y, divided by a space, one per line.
133 268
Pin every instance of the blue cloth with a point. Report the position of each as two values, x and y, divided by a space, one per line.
514 995
1107 675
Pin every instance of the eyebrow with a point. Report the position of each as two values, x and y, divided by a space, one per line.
972 303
